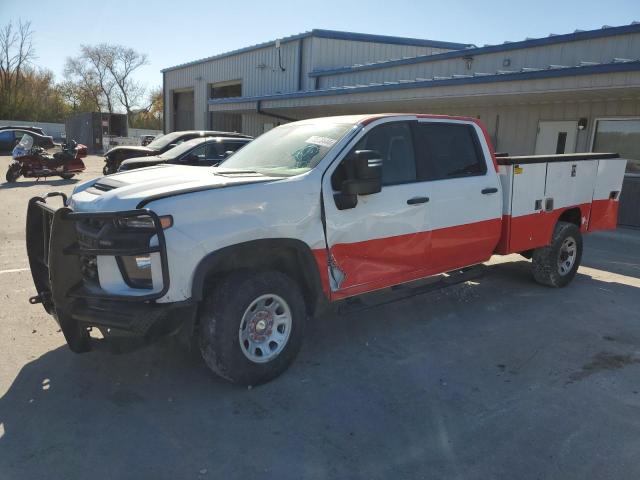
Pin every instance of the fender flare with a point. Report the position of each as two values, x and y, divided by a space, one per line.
310 274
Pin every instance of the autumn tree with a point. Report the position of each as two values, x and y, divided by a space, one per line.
16 54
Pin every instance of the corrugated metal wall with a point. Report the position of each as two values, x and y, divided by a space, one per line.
260 72
602 50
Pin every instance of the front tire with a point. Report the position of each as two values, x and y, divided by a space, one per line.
13 173
557 264
251 326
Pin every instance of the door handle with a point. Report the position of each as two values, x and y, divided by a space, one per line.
417 200
486 191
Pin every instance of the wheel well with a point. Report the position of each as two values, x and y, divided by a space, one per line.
291 257
572 215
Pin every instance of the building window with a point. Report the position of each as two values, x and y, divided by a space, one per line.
620 136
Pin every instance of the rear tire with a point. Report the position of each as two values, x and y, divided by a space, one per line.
251 326
67 176
557 264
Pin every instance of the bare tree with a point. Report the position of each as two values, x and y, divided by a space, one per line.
16 54
86 83
98 58
121 62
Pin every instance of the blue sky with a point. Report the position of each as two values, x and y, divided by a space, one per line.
172 32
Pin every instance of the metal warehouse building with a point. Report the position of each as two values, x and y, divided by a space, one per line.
564 93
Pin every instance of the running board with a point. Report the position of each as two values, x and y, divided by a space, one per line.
404 291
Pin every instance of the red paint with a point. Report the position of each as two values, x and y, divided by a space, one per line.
534 230
384 262
604 215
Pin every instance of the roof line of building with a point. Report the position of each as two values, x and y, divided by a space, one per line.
468 52
626 66
333 34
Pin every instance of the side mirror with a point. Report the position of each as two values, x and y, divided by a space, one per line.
364 177
228 153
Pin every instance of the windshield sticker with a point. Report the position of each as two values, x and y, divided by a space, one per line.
321 141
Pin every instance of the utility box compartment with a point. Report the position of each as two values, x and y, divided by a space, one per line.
538 190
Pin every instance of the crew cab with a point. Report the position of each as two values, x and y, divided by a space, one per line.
312 212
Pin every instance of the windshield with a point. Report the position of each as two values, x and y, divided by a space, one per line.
164 140
289 149
178 150
26 142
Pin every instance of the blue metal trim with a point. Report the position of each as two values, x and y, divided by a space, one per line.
469 52
495 78
338 35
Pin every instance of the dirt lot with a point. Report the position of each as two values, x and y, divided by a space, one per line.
495 378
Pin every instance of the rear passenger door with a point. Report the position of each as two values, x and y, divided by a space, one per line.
465 204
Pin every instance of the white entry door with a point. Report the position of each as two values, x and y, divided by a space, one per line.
556 137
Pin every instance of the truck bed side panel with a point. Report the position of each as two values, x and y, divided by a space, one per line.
606 196
537 194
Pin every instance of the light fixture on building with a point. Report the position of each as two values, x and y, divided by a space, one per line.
582 123
506 62
468 61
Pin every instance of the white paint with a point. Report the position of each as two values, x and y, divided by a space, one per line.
548 132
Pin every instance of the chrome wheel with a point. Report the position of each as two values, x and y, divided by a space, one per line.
567 255
265 328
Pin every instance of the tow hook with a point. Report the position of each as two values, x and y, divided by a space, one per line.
40 298
35 300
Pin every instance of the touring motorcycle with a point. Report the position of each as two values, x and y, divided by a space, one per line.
34 162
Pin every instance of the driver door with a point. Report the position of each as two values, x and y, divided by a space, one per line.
385 239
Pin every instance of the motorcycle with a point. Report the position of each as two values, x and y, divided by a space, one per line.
29 161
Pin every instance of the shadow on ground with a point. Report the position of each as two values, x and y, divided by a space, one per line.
482 380
30 183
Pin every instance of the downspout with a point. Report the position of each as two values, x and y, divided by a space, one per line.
164 102
273 115
300 71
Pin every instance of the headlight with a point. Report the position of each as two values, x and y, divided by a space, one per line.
136 270
144 222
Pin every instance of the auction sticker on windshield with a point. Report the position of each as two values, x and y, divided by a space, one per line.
321 141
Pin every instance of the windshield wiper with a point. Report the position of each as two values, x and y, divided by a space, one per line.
231 171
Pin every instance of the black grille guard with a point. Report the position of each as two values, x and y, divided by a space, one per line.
55 252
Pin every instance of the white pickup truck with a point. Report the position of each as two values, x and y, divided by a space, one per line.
312 212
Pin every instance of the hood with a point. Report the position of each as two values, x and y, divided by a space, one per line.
142 161
131 149
126 190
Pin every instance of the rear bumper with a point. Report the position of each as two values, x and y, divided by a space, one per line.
58 262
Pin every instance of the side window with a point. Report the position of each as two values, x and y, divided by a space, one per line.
6 137
212 151
393 142
446 150
198 152
231 147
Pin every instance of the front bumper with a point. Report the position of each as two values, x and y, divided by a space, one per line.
58 254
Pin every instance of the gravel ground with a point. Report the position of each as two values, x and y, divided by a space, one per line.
494 378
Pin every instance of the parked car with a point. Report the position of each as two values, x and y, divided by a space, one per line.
37 130
203 151
146 139
114 157
310 213
10 137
